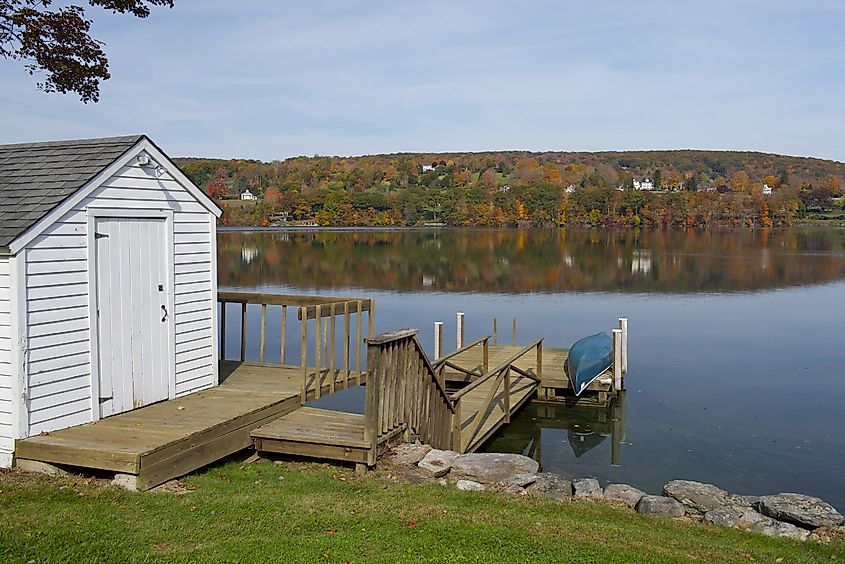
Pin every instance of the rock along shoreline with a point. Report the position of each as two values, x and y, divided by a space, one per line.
790 515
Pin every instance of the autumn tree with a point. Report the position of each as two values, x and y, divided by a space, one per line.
57 42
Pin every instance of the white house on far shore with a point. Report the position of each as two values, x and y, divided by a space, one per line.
247 195
644 184
767 190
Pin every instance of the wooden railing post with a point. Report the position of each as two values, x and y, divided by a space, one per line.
506 394
243 331
371 318
485 357
222 330
540 359
457 424
495 328
371 397
358 341
303 345
284 334
346 344
263 333
514 331
318 373
459 331
331 351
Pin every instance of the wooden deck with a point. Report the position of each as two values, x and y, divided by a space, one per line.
174 437
555 383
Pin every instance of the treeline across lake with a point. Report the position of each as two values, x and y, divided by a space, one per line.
532 260
651 188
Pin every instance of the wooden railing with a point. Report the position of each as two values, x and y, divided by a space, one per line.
501 380
443 362
404 394
326 311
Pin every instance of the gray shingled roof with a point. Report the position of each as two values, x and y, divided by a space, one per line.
37 177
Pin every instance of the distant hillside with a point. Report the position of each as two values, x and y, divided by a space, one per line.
509 187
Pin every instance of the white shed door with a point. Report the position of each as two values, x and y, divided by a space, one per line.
132 312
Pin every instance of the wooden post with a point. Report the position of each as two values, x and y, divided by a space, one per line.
459 332
495 338
616 431
514 331
303 347
506 395
456 428
617 360
284 333
263 332
243 331
438 339
358 315
222 330
346 344
623 324
540 360
318 376
372 319
331 350
485 359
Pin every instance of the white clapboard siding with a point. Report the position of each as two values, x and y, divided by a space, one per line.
59 354
6 406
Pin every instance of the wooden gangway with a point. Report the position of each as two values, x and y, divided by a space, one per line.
406 397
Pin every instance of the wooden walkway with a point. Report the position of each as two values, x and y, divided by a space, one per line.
466 365
171 438
406 396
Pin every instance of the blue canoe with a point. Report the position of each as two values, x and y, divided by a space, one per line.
588 358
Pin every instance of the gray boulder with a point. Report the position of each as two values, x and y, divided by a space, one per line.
521 480
724 516
587 487
409 454
469 486
696 497
659 505
629 495
753 522
550 485
438 462
492 468
803 510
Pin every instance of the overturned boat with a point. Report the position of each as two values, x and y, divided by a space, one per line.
588 358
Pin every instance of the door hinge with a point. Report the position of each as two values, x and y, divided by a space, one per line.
100 235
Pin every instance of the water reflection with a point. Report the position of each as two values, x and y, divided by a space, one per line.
520 261
586 428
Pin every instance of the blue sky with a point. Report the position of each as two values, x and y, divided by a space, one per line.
273 79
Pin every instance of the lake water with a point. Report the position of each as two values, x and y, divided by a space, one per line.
737 338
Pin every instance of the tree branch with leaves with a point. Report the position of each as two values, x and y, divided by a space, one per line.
57 41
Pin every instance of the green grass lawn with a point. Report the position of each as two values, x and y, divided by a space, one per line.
316 513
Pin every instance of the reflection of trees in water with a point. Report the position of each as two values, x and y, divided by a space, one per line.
536 260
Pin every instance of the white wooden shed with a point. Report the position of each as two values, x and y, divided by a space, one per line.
108 283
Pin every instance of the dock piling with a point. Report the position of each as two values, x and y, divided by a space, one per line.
617 360
459 333
438 339
623 325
